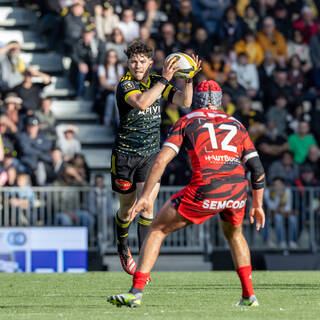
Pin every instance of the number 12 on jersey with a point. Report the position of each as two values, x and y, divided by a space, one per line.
232 131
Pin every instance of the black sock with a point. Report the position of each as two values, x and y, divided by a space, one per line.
143 228
122 231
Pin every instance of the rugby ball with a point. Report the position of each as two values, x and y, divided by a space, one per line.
187 65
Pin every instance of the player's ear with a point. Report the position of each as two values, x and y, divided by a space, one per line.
151 63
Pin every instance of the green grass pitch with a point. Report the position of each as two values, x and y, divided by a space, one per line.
171 295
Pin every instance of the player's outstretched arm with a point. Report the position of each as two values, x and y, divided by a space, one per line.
184 98
145 204
143 100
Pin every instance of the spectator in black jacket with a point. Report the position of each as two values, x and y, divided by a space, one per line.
185 22
315 56
231 28
73 23
271 145
202 43
233 87
313 160
167 41
267 67
282 19
85 58
29 92
51 21
280 85
34 150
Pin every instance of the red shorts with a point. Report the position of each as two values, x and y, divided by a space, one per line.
199 210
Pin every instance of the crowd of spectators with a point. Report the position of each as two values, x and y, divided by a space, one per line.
29 137
264 53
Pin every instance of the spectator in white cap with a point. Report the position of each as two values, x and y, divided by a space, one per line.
67 141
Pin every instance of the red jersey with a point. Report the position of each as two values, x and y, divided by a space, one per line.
218 146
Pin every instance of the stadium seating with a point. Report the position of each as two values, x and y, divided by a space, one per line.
28 39
73 110
16 17
98 159
95 134
59 87
45 62
18 24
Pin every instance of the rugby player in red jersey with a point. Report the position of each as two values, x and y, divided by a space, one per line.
218 146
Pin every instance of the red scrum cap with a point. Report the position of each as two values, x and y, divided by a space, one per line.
207 93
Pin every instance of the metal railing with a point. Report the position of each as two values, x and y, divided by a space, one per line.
297 228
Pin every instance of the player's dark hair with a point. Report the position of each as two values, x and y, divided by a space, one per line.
139 47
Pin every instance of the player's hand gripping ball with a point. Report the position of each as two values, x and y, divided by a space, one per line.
187 66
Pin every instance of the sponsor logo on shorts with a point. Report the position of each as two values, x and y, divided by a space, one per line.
226 204
123 184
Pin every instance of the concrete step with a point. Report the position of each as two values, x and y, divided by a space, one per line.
77 117
45 62
98 158
59 87
74 110
71 106
95 134
16 17
29 40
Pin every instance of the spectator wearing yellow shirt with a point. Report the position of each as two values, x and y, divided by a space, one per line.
227 105
271 39
251 47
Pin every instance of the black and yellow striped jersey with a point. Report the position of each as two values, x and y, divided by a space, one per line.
139 131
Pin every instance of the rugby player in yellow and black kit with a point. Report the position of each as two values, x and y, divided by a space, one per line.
138 140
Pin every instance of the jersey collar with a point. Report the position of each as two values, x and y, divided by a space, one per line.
147 85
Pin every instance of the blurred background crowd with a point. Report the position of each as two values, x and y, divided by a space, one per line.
264 53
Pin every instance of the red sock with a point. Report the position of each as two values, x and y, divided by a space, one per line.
245 275
140 280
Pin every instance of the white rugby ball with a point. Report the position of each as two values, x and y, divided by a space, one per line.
187 65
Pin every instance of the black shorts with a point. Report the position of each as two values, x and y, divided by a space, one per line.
127 171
